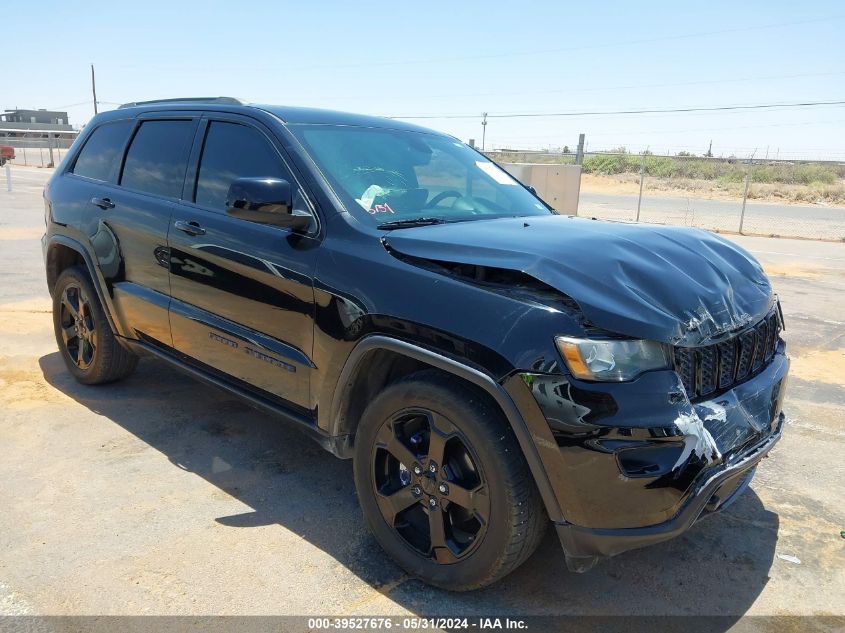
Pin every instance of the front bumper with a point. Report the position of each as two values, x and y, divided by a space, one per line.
583 546
637 463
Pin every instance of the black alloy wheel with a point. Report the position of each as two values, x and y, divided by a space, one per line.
79 331
443 484
89 348
429 485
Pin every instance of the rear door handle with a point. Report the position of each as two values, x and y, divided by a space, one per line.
191 228
103 203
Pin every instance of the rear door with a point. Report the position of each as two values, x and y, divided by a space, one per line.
242 296
119 193
151 181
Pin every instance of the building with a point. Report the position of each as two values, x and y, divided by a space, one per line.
41 116
34 128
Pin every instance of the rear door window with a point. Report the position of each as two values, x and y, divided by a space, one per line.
101 152
233 151
158 157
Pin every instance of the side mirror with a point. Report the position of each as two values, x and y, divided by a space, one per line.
265 201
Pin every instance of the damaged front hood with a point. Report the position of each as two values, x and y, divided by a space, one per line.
670 284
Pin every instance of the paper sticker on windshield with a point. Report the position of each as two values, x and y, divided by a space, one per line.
495 173
369 195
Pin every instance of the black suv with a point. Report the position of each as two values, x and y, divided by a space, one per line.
489 365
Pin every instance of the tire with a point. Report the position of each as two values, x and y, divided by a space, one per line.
485 522
86 342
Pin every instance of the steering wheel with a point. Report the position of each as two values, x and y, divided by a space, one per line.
440 197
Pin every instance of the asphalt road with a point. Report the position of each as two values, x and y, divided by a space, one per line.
160 495
761 218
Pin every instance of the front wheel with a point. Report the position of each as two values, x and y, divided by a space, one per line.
443 484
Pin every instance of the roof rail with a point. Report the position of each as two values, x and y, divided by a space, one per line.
212 100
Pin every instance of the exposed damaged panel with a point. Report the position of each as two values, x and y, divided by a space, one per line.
512 282
679 286
697 440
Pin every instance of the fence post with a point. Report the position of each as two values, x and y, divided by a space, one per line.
745 193
642 178
579 160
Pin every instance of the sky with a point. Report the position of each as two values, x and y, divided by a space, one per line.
452 61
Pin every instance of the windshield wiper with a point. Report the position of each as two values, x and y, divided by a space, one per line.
403 224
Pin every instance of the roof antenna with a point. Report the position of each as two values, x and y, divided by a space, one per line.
94 88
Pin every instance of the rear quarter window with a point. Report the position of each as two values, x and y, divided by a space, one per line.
158 157
99 156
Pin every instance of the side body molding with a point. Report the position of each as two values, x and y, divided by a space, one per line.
476 377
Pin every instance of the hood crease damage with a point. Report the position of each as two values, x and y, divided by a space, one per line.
670 284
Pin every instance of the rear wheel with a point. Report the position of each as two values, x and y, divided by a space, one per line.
443 484
86 342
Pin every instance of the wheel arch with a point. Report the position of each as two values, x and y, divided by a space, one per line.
61 253
356 386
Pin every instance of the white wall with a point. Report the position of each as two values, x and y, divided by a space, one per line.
558 185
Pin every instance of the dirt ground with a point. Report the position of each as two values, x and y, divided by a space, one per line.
160 495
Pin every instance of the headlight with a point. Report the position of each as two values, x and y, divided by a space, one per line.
611 360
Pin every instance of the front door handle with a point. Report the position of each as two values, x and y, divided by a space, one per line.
191 228
103 203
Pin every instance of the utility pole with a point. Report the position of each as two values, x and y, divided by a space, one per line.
94 88
483 131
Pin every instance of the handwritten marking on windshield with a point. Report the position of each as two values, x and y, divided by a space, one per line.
380 208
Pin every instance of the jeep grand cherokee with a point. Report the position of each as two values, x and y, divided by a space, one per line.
489 366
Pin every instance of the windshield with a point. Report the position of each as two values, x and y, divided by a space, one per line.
399 175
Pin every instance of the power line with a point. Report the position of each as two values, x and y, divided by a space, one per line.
614 133
69 105
500 93
515 115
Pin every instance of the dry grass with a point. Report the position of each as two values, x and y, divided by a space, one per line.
815 193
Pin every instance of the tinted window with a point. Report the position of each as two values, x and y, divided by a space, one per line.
233 151
157 158
102 150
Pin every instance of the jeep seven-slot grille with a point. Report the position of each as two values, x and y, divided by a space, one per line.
706 370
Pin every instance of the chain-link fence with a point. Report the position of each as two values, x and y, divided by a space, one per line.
38 152
803 199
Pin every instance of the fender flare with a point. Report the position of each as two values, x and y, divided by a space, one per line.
93 270
472 375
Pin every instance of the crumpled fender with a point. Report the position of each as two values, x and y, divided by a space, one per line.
671 284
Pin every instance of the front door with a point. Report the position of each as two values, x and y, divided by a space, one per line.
242 296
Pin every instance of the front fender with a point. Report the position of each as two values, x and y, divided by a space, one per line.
480 379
